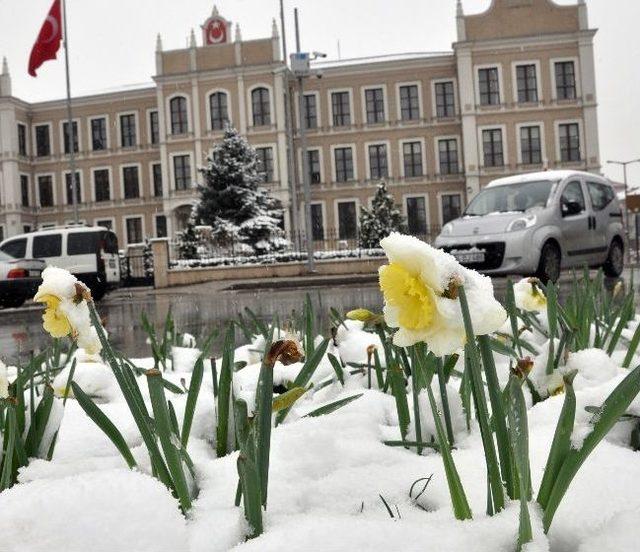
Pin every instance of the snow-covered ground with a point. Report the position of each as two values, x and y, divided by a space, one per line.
326 475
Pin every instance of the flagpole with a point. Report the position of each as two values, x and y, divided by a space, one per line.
70 138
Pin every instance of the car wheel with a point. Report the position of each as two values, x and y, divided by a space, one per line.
614 264
13 302
549 265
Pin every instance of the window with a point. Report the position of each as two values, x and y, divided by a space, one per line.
492 148
128 130
451 207
178 112
154 126
448 156
572 194
378 161
412 158
16 248
105 223
131 180
101 185
409 103
265 163
161 226
489 85
347 221
69 189
26 228
83 243
156 171
219 110
45 191
1 233
313 160
43 141
601 195
182 172
417 216
99 134
47 245
24 189
134 230
530 145
445 100
569 135
340 108
261 107
565 80
65 133
22 140
310 111
344 164
374 100
527 83
317 222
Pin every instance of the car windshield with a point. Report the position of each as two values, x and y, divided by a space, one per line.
510 198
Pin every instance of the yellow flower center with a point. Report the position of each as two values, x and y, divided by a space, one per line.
409 294
53 320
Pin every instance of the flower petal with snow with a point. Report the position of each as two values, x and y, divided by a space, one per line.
4 381
529 295
66 310
419 286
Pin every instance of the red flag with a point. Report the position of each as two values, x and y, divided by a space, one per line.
48 42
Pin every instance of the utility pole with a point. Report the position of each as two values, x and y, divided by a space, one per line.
626 196
70 133
291 165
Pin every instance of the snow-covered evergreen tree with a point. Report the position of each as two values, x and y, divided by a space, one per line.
234 202
188 239
383 218
147 259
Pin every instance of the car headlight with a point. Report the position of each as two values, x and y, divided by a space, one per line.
522 223
447 229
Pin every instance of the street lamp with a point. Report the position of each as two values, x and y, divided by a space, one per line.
626 191
301 68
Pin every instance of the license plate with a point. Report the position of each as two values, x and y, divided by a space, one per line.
469 257
112 263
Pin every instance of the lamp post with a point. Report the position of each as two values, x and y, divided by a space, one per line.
301 68
626 192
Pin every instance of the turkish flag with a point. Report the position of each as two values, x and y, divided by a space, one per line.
48 42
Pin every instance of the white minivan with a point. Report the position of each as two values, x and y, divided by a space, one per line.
89 252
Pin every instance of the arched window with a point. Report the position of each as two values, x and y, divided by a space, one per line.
261 108
179 121
218 106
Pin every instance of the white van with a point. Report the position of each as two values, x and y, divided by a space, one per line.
89 252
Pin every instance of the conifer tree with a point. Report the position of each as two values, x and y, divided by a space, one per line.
187 239
382 219
233 200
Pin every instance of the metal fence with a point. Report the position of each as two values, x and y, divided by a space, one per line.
136 268
291 247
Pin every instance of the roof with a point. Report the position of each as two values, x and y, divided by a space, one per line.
541 175
58 230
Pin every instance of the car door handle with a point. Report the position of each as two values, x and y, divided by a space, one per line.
594 222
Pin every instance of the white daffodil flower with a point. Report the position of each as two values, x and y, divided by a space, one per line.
66 311
529 295
420 286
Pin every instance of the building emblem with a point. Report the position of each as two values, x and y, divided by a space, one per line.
216 29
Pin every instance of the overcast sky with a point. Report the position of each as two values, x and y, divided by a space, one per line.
112 44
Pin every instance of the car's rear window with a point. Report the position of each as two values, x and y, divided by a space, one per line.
48 245
82 243
110 242
15 248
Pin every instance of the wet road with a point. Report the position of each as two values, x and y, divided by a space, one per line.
196 310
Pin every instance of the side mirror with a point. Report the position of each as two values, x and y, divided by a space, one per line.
570 208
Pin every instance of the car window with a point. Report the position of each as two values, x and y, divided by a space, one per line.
601 195
572 194
110 242
82 243
15 248
47 245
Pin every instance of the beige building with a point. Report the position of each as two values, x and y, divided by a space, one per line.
516 94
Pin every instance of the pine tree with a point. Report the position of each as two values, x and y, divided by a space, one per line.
234 202
383 218
188 240
147 259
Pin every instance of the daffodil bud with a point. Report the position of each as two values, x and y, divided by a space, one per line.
529 295
287 351
361 315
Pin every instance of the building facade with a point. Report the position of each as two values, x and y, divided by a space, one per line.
516 93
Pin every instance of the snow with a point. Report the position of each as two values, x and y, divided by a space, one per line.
326 476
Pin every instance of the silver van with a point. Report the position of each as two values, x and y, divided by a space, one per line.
538 223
